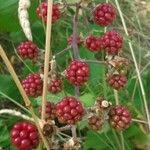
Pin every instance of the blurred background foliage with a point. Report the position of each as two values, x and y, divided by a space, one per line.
137 17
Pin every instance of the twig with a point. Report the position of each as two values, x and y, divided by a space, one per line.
73 129
135 63
139 121
62 52
48 56
23 93
64 128
95 61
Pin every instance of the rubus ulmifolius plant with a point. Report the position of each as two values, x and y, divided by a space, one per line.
66 111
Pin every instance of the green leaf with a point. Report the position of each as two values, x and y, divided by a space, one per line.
4 135
9 15
87 99
8 87
94 141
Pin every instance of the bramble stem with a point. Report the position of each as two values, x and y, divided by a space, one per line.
48 56
23 93
139 121
116 97
63 51
76 55
135 63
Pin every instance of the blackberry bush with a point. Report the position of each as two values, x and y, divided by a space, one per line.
65 75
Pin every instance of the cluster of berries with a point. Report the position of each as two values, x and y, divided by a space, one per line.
69 110
118 116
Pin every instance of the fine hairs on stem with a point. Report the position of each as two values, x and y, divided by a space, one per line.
23 93
135 63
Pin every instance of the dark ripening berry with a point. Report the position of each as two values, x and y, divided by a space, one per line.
95 123
69 110
120 117
42 12
93 43
77 72
50 110
70 40
112 42
117 81
28 50
24 136
55 86
104 14
33 85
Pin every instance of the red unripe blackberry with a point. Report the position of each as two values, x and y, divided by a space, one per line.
55 86
42 12
70 40
95 122
69 110
117 81
50 110
24 136
93 43
112 42
120 117
33 85
28 50
77 72
104 14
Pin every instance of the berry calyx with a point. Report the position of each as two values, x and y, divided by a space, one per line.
117 81
104 14
120 117
42 12
28 50
69 110
50 110
93 43
95 123
70 40
102 103
33 85
55 86
77 72
24 135
112 42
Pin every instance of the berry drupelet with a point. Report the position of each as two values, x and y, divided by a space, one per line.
104 14
120 117
77 72
117 81
42 12
112 42
69 110
93 43
24 136
28 50
50 110
55 86
33 85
